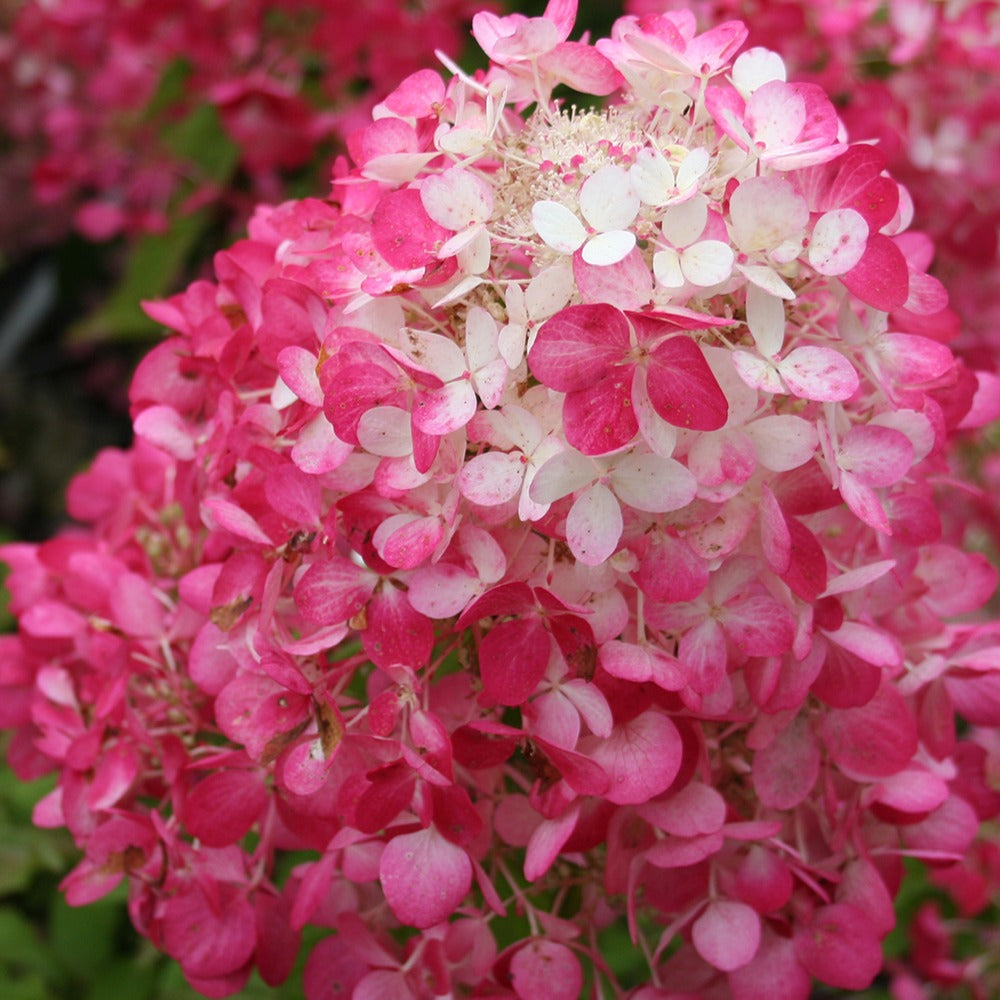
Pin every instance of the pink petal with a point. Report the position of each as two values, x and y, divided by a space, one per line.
442 590
840 947
626 284
492 478
396 632
547 840
223 806
583 68
446 409
456 198
403 233
424 877
405 540
695 810
875 455
641 757
727 934
218 512
875 740
838 241
333 591
209 938
820 373
166 429
864 503
785 771
773 974
912 359
543 968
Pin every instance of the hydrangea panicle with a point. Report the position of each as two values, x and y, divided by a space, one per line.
542 527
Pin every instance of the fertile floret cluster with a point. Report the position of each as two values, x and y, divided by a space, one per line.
539 533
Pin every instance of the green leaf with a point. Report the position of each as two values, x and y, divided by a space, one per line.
125 978
83 938
24 988
21 948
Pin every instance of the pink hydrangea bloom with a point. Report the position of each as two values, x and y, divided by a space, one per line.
501 576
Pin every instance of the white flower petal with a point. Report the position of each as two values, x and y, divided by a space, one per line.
766 278
766 320
609 248
684 223
667 268
607 199
594 525
707 262
692 168
558 226
652 483
385 431
480 338
838 241
652 177
432 352
755 67
547 292
564 473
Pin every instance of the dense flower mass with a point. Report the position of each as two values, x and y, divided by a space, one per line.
97 94
540 533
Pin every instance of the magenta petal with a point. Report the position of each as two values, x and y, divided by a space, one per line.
209 939
424 877
512 660
403 232
683 389
333 591
881 278
396 632
577 344
547 841
601 418
223 806
774 973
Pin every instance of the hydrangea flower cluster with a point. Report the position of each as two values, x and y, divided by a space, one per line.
94 87
538 534
922 78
